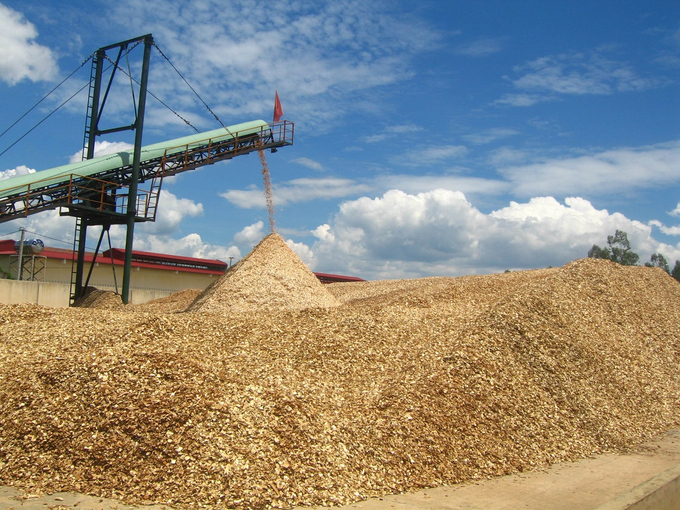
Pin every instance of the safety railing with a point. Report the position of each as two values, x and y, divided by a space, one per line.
87 195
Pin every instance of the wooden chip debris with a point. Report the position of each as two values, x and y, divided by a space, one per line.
266 403
270 277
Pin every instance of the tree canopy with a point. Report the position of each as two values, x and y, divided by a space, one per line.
618 250
658 260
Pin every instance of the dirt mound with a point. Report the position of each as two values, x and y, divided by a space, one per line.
270 277
407 384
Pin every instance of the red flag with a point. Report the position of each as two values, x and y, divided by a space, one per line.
278 110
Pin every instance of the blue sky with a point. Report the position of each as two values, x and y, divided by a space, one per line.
431 138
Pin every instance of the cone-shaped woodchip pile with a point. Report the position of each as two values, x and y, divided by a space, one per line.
406 384
270 277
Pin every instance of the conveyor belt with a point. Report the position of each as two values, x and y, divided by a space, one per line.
99 183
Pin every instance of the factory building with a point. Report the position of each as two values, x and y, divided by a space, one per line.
154 275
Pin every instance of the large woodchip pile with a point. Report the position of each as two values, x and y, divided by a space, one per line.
270 277
405 384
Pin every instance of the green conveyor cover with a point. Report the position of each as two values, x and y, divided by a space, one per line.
101 164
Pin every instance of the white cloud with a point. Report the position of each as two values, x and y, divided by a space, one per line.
53 229
305 189
15 172
188 246
308 189
304 252
439 232
481 48
170 213
489 135
670 61
607 172
20 56
250 235
522 99
103 148
324 232
400 129
414 184
505 156
392 131
57 231
669 231
401 235
248 198
309 163
432 155
313 53
376 138
575 74
296 190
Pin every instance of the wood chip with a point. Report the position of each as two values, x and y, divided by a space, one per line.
270 277
270 402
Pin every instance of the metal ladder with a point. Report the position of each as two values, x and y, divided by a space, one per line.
90 101
74 261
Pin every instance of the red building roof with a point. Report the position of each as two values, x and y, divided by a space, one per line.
139 259
168 262
335 278
152 260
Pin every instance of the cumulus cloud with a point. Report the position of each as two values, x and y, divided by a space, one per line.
15 172
188 246
171 211
440 232
304 252
159 237
669 231
103 148
402 235
20 56
48 226
250 235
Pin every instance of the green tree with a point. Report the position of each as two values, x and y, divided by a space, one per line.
618 250
658 260
676 270
598 253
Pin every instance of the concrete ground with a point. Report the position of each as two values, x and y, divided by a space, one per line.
606 482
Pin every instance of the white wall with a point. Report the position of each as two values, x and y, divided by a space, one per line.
57 295
48 294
